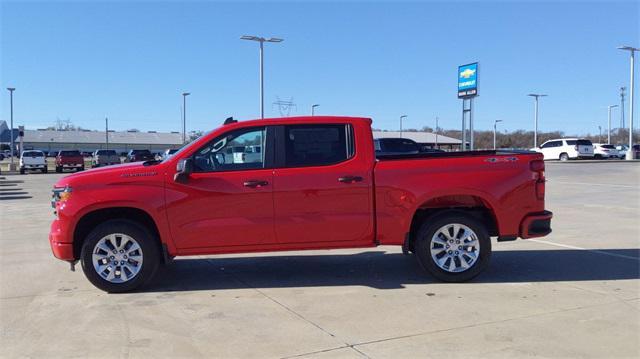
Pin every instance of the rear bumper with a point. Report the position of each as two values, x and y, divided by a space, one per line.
536 225
61 248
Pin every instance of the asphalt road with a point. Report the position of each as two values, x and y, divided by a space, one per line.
575 293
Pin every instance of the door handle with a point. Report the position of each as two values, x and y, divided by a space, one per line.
350 179
255 183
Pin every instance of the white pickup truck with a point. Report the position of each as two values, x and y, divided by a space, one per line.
32 160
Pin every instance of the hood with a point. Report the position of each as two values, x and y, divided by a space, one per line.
108 174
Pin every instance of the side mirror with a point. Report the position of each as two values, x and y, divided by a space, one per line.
183 169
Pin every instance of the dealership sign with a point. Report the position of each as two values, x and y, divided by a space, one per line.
468 80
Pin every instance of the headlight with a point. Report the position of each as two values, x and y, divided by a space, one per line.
60 195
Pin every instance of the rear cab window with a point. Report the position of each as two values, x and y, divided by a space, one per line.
69 153
317 145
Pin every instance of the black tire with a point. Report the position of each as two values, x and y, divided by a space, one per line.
45 170
150 254
21 170
598 157
429 228
58 169
81 169
564 157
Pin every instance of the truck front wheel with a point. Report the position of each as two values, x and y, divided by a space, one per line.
119 256
453 246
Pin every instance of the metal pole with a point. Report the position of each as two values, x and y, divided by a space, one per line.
535 131
401 117
106 132
471 144
630 152
599 134
464 126
184 118
313 107
609 124
436 131
261 79
11 89
495 125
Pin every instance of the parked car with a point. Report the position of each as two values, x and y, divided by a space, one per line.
168 153
104 158
139 155
69 159
565 149
318 185
32 160
395 146
604 151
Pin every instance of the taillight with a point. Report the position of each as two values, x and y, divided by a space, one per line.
537 166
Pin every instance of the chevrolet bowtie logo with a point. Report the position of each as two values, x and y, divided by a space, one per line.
467 73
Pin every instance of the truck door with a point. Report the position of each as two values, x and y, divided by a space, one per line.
228 199
322 185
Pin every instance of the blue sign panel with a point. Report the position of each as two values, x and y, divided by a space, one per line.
468 80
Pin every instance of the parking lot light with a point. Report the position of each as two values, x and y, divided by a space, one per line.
609 122
13 144
632 50
401 117
184 116
313 108
261 40
495 125
535 115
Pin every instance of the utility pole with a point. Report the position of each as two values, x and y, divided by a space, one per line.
313 107
106 132
632 50
535 129
622 90
401 117
261 40
599 134
495 126
609 122
184 116
11 89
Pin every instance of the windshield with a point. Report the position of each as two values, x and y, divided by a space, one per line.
106 153
141 152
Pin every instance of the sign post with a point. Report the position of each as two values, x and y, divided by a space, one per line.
467 90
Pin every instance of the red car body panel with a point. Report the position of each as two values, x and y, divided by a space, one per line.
305 207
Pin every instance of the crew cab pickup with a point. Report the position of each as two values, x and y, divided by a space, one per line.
316 184
104 158
72 159
32 160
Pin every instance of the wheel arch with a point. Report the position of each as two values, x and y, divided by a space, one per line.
472 205
93 218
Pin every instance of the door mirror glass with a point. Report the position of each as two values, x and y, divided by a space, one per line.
183 169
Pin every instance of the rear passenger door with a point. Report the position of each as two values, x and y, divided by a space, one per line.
322 186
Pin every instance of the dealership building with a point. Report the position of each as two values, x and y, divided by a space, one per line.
89 141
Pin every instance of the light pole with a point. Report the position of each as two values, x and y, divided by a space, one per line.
106 133
436 131
11 89
184 116
535 130
401 117
261 40
495 126
632 50
313 107
609 121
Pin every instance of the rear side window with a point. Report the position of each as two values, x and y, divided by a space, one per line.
317 145
552 144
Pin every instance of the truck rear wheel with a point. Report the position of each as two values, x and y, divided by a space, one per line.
119 256
453 246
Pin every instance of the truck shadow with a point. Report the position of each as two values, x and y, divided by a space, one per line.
382 270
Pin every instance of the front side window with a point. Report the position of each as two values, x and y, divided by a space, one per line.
233 151
317 145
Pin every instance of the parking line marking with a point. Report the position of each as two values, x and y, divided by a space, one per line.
584 249
595 184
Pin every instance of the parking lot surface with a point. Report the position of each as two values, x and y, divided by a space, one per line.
575 293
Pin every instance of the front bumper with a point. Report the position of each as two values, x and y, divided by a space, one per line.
61 248
536 225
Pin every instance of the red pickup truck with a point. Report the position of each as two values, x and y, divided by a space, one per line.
71 159
299 183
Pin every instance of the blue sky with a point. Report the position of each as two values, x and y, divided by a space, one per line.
131 60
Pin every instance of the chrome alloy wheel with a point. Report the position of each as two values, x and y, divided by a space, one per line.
455 247
117 258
